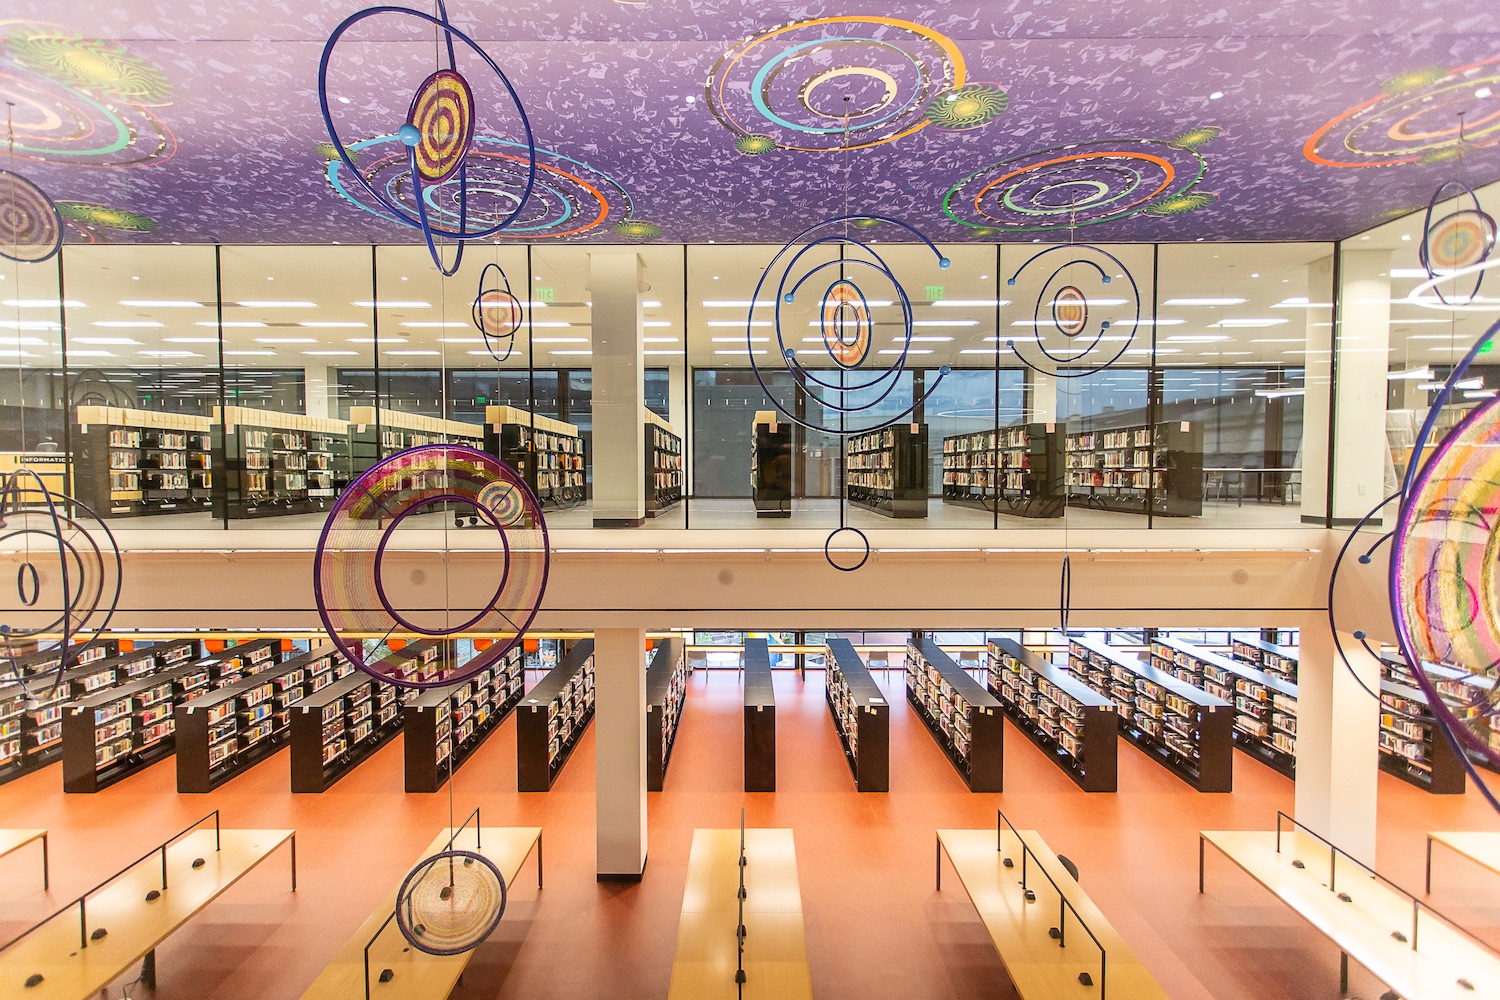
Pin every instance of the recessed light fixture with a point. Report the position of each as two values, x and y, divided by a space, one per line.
1247 323
43 304
657 323
1205 302
413 352
1482 93
102 340
249 354
1414 373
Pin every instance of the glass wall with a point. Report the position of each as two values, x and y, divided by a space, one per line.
1199 385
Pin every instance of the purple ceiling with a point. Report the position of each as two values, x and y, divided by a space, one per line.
698 120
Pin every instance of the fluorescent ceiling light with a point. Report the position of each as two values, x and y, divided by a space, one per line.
1279 393
90 354
279 304
460 340
43 303
1193 338
1479 394
250 354
657 323
128 324
329 324
909 350
371 340
1020 339
393 304
1410 272
1148 322
971 303
414 352
103 340
230 324
739 352
651 304
1433 336
1205 302
1284 340
1247 323
161 304
551 323
981 350
661 352
286 340
1470 383
560 340
658 340
1422 373
928 339
168 354
190 340
570 351
30 324
28 341
1159 350
1301 302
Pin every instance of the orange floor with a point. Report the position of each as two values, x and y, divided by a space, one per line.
875 926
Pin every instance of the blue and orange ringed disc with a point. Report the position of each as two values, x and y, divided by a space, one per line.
846 324
1070 311
442 112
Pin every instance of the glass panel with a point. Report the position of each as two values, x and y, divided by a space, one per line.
143 348
34 431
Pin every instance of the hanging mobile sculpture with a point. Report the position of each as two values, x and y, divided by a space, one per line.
441 127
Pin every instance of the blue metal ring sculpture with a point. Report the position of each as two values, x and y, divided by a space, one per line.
828 549
449 158
450 902
842 398
496 312
1459 240
86 573
1066 309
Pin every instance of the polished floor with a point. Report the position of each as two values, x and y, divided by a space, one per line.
876 928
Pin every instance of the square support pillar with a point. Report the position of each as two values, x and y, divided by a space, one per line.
619 446
620 752
1338 731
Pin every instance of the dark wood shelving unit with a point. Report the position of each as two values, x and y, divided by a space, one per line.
663 466
887 470
115 733
1185 730
1138 469
129 462
549 454
223 733
861 716
961 715
760 718
1265 707
1268 657
1017 470
1413 748
1077 727
771 465
666 693
332 732
552 716
476 707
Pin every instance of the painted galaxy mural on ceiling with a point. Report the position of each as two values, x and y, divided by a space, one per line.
708 120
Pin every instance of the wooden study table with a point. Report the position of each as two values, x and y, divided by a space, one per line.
134 925
1021 930
1481 848
1374 925
775 938
13 840
416 973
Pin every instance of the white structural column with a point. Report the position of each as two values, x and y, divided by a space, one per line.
317 390
1043 399
1338 731
620 751
1360 362
619 446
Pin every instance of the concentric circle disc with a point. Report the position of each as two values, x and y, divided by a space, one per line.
1459 239
1070 311
30 228
443 112
1443 566
450 903
846 324
497 313
368 586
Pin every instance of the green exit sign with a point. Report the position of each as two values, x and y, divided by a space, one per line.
934 293
545 294
1489 345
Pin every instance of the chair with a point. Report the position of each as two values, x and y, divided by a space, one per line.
1067 863
697 659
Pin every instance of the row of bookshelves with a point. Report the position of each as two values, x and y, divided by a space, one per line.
1077 727
1164 463
444 726
555 713
886 471
771 465
760 718
666 693
548 453
1017 470
962 716
861 716
664 466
